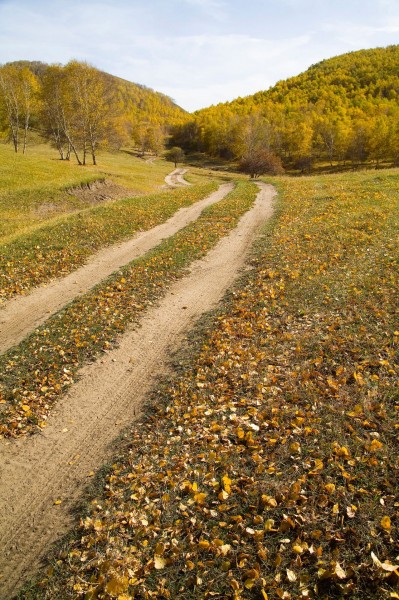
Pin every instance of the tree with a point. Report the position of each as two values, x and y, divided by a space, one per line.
77 108
261 162
53 113
18 91
150 137
175 155
88 102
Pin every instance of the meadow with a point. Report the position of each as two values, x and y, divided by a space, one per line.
267 465
46 231
38 187
34 188
92 323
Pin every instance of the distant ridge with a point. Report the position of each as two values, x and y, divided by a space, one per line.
140 101
341 109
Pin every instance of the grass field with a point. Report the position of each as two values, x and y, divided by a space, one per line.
271 461
45 231
35 188
92 322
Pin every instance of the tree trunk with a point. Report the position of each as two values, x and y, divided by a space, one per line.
72 147
26 127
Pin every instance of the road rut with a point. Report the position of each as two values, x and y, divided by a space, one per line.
55 465
21 315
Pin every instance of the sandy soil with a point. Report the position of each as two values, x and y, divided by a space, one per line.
97 192
21 315
56 465
176 179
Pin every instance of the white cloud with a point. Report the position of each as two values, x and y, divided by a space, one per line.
198 51
363 36
192 68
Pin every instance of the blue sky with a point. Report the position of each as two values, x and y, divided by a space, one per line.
199 52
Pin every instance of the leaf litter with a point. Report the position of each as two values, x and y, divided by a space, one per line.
270 468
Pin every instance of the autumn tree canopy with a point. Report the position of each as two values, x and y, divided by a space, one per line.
345 109
80 109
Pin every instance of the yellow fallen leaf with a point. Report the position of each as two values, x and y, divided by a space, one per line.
56 502
351 511
375 445
386 523
343 451
338 570
97 524
358 378
234 584
269 500
159 562
200 498
117 585
385 566
249 583
269 525
226 483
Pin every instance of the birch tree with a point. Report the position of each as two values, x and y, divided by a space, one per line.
18 99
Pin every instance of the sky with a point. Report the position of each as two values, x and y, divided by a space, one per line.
198 52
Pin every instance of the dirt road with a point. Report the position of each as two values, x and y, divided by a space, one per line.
56 465
21 315
176 179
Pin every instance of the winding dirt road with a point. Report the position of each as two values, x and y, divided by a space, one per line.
56 465
176 179
21 315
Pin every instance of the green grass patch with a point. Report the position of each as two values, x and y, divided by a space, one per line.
271 468
37 372
33 187
63 245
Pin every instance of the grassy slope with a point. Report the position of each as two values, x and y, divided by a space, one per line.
63 244
46 232
271 468
92 322
32 187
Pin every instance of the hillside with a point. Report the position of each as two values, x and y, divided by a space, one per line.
79 108
265 464
342 109
139 101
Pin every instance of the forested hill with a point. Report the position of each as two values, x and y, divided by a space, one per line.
344 108
68 103
136 99
346 81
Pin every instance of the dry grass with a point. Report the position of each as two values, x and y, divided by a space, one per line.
269 470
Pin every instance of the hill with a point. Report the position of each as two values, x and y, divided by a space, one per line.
140 100
342 109
70 104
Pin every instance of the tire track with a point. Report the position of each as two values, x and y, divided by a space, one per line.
40 470
21 315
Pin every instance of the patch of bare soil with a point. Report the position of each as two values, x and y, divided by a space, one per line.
99 191
21 315
43 476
